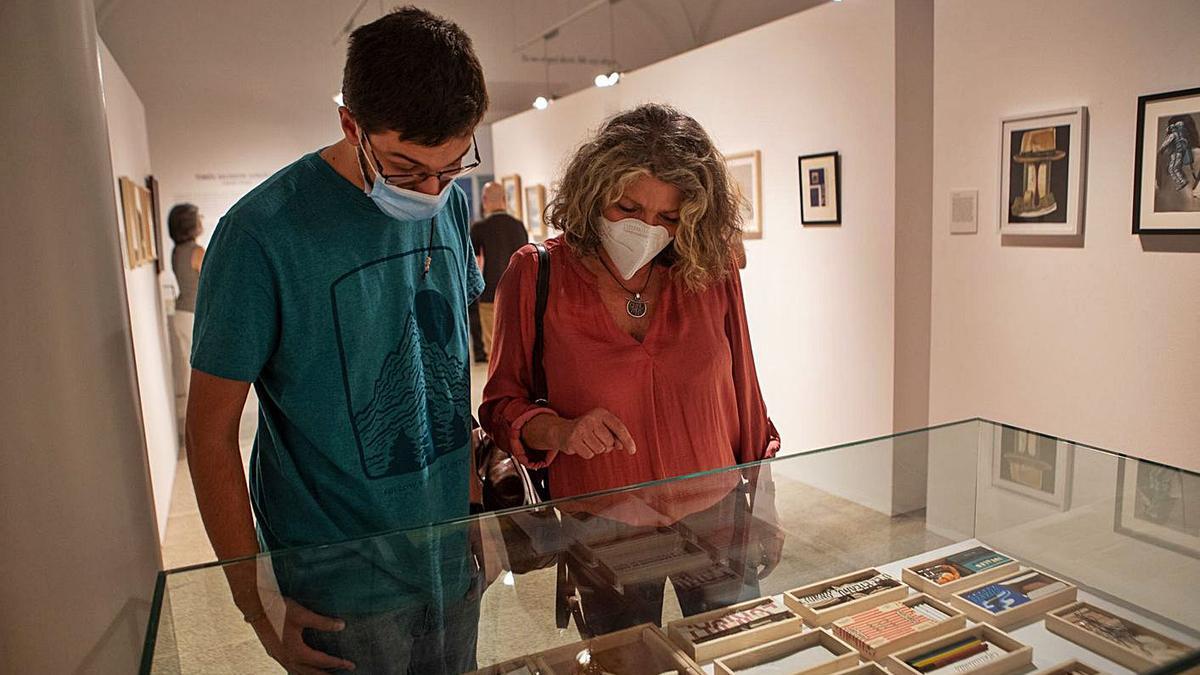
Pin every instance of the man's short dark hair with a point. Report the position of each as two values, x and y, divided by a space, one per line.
183 222
414 73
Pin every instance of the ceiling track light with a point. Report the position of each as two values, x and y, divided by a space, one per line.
541 103
608 80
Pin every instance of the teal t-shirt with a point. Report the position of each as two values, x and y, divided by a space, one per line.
359 358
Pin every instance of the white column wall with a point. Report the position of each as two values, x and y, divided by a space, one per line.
1099 343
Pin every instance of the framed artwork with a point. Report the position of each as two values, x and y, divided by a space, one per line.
136 212
1043 159
512 196
1033 465
1158 504
156 220
745 169
821 189
535 205
1166 169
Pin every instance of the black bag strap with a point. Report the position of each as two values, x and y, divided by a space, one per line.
540 394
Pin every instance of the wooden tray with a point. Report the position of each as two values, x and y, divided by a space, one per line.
869 668
1019 655
665 656
617 562
876 651
910 576
824 617
1134 660
707 651
1020 613
1072 666
846 656
511 666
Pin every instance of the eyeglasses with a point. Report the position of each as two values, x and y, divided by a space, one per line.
411 180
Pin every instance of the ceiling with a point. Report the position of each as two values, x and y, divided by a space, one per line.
273 54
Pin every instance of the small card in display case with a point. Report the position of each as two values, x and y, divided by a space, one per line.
816 652
1014 599
942 577
731 629
892 626
1115 638
824 602
978 650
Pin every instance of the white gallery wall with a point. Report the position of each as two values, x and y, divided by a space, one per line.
1097 340
130 149
819 299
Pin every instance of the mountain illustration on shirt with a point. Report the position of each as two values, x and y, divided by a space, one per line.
416 414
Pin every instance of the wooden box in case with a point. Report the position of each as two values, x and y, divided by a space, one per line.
682 631
841 656
956 565
645 557
889 632
869 668
1072 667
1016 655
1014 599
640 649
842 588
1121 640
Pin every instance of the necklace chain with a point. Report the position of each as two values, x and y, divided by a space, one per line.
635 306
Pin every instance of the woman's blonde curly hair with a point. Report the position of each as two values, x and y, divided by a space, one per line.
660 141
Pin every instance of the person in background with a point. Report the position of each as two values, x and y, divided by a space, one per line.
495 238
338 288
184 225
649 371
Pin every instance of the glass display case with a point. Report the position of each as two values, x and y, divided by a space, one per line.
971 547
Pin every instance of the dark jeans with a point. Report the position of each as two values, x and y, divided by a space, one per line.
606 610
476 332
423 641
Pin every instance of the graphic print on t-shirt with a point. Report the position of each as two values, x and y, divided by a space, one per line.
403 374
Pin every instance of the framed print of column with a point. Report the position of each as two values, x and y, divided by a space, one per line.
821 189
1042 165
1166 173
745 168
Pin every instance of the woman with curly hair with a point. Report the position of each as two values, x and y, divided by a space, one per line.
648 365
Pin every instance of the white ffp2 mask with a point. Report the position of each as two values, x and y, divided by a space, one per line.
631 243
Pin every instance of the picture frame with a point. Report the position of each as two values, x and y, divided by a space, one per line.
703 652
1043 166
942 591
843 655
1166 186
824 617
513 196
1158 505
1033 465
1103 633
1011 608
745 171
534 207
821 189
1016 654
156 219
136 212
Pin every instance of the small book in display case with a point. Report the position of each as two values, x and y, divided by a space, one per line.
1072 667
1014 599
824 602
942 577
640 649
816 652
892 626
977 650
1115 638
707 636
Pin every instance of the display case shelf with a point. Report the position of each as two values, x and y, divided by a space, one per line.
550 580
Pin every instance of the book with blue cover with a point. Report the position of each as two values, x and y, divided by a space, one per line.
1014 591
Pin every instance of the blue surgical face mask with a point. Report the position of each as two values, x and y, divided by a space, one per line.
403 204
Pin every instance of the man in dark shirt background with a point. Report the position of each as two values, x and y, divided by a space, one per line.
495 239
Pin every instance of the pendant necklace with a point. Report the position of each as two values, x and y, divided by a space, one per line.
635 306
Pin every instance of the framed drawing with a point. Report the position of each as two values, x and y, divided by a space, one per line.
1166 165
535 205
156 219
1043 158
1033 465
745 169
1159 505
821 189
512 196
136 215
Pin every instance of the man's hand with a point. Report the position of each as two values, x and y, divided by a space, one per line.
595 433
287 645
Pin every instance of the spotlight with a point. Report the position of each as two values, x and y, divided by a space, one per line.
339 100
541 103
607 80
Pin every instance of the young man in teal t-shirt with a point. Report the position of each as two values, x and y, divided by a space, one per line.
339 289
